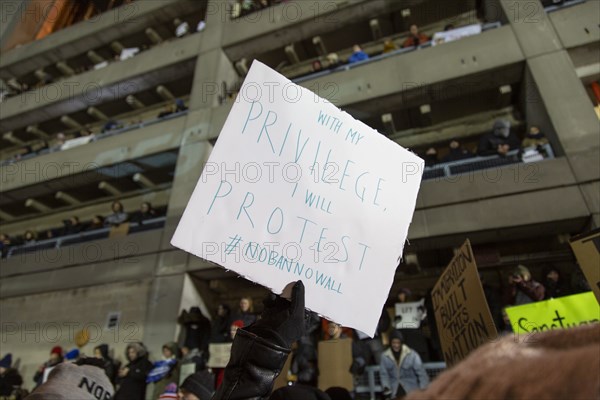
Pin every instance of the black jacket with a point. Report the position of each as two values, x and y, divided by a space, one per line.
10 380
133 385
254 364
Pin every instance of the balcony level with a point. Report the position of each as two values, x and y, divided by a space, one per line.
577 25
499 204
159 65
156 138
416 77
78 39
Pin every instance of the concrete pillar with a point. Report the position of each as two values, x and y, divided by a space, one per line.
36 204
134 102
95 57
66 198
33 129
290 52
319 45
153 36
94 112
10 137
164 93
117 47
65 69
70 122
212 69
388 122
532 26
108 188
143 180
162 311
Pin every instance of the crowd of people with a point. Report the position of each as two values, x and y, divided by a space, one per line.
281 329
73 225
500 141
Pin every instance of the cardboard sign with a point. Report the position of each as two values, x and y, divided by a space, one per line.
409 315
219 354
296 189
463 318
587 250
559 313
335 359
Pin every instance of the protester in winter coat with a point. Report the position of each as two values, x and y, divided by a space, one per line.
499 141
132 378
250 374
523 289
245 312
553 365
10 380
56 357
220 325
108 364
165 371
401 368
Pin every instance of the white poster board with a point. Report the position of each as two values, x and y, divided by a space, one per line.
455 34
409 315
297 189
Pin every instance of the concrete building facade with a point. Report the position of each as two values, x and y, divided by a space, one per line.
532 66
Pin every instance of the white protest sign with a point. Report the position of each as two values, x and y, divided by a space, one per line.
296 189
456 34
409 315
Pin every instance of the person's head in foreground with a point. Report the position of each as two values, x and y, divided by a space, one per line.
197 386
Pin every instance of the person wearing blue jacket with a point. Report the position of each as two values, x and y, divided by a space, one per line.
402 370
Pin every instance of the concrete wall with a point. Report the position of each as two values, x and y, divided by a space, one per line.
32 325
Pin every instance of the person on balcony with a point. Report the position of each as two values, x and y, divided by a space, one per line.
456 152
357 55
534 138
499 141
118 216
415 38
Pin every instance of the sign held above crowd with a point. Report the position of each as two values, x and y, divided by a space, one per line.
461 311
296 189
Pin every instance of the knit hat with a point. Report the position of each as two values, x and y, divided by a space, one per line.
299 392
72 355
338 393
70 381
57 350
200 384
6 362
169 393
238 323
396 335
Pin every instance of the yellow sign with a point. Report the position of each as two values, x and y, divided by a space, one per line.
559 313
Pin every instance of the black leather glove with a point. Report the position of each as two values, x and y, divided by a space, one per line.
281 317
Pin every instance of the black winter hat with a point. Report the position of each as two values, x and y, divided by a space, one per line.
299 392
396 334
200 384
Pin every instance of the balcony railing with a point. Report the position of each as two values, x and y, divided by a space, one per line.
87 236
454 168
101 136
